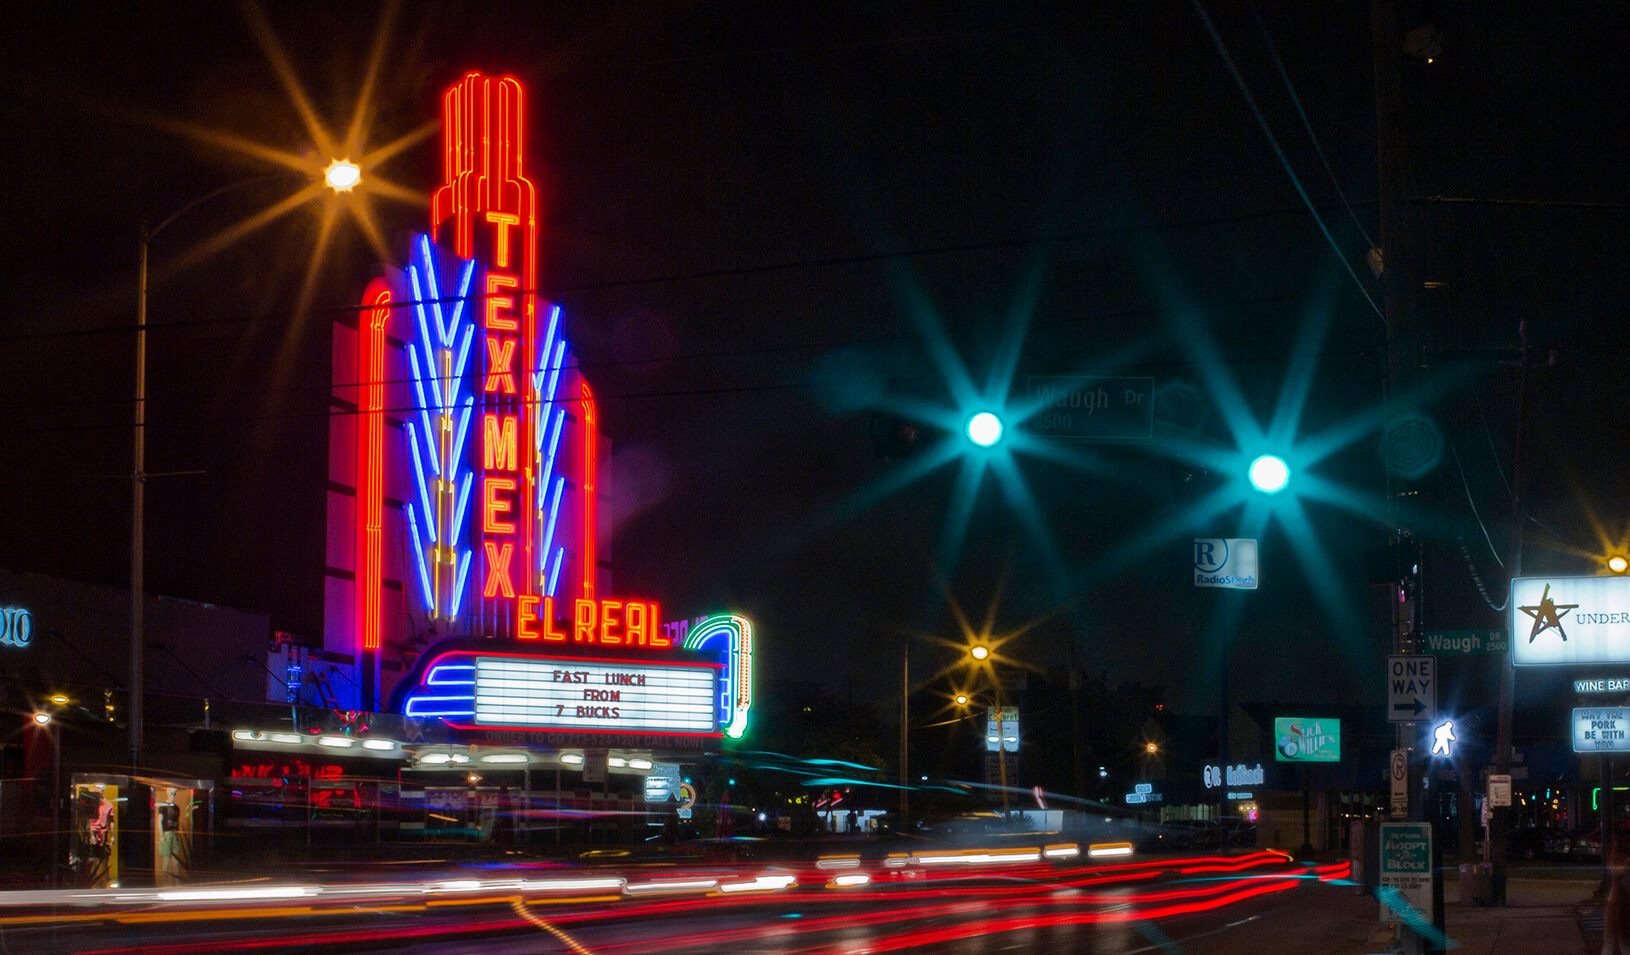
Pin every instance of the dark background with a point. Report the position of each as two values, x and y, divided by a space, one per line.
765 221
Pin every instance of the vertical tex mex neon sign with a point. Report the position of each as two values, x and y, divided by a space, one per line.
485 361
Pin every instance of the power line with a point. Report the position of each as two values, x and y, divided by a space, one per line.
702 356
1267 131
563 292
605 398
1273 50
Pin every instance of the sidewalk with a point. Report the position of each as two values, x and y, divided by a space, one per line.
1542 916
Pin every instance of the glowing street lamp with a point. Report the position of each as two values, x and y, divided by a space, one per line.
962 699
979 652
42 718
1618 564
342 175
1269 474
984 429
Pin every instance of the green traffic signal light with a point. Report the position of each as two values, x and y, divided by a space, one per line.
1269 474
984 429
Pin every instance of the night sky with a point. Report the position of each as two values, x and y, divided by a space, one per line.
767 221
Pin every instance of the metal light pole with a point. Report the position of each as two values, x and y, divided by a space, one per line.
138 477
43 720
981 654
339 177
905 732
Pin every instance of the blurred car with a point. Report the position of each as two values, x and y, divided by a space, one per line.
1528 844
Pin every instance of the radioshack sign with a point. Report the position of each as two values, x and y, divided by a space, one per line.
1570 620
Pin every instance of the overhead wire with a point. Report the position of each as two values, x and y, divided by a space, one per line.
1273 51
329 411
1267 131
326 385
562 294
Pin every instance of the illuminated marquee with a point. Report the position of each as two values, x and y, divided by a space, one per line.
702 687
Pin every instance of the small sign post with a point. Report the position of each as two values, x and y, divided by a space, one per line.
1499 791
1406 870
1399 774
1412 688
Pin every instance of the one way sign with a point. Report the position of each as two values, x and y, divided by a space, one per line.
1412 688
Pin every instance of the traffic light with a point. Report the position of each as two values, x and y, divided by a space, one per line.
984 429
1269 473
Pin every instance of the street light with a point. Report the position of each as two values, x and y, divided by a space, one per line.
984 429
42 719
1618 564
981 653
336 174
1269 474
342 175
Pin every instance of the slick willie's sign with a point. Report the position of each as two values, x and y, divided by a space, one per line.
1570 620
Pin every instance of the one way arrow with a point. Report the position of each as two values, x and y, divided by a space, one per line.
1413 707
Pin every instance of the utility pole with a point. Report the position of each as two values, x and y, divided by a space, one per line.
1500 818
138 479
1404 361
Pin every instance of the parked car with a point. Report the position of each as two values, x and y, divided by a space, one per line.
1528 844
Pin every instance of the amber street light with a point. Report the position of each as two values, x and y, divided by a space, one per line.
342 175
1618 564
980 652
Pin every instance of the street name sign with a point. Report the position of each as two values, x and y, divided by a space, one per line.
1406 868
1570 620
1227 562
1499 791
1601 729
1087 408
1412 688
1467 641
1399 772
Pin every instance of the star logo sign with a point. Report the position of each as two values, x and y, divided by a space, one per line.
1547 614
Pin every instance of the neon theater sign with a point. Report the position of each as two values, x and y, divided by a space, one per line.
476 470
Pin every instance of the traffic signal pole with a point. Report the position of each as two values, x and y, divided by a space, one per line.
1405 356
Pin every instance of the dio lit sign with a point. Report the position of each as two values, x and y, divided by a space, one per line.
1302 740
16 627
1570 620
